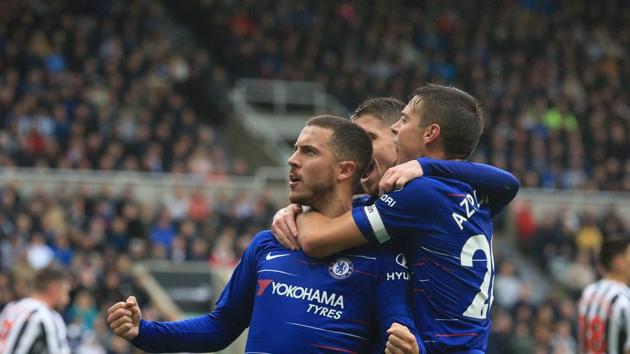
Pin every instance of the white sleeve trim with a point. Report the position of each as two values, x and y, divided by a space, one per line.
376 223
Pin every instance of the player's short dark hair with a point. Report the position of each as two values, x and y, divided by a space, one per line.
458 114
612 246
46 276
348 142
386 109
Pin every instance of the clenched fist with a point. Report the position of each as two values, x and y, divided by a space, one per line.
124 318
401 341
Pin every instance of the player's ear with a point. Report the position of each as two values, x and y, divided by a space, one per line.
346 170
431 133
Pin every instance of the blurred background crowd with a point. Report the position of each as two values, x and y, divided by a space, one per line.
141 86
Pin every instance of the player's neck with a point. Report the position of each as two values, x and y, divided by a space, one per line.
437 154
335 204
43 298
441 155
619 277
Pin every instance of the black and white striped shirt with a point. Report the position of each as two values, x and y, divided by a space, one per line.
604 318
30 326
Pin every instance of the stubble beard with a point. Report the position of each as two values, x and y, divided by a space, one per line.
319 194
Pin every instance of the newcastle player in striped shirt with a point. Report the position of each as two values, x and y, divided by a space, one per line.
32 324
604 310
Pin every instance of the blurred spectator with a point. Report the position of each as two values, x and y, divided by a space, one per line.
38 253
163 232
177 204
579 274
522 341
525 225
222 254
83 311
499 341
588 238
507 286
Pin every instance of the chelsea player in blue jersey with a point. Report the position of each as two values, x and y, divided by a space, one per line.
352 302
444 224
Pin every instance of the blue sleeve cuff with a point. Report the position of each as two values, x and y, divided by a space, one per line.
144 335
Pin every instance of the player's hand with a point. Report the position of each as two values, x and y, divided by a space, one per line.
284 228
401 341
396 177
124 318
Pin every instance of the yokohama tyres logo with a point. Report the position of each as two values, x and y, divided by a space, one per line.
322 297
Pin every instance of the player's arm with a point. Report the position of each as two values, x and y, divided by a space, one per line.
320 236
498 185
392 303
400 213
207 333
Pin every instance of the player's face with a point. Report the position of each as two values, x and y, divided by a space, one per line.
313 165
409 133
61 292
385 153
626 266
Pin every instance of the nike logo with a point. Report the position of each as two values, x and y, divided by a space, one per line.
270 257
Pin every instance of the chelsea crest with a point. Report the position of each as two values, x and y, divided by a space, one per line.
341 268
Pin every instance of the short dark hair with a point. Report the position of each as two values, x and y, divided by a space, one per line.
612 246
47 276
458 114
348 142
386 109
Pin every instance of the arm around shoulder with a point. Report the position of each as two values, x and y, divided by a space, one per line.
321 236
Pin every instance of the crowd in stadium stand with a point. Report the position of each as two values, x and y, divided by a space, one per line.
531 63
103 88
108 85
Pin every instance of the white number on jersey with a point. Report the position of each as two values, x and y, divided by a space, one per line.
479 307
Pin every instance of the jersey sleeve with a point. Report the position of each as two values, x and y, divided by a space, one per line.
393 298
214 331
402 212
499 186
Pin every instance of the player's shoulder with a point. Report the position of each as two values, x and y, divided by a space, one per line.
435 187
26 304
417 192
362 200
263 239
434 182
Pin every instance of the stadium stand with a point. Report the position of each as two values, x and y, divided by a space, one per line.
117 85
102 88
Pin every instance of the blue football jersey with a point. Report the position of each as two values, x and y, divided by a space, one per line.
295 304
446 228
